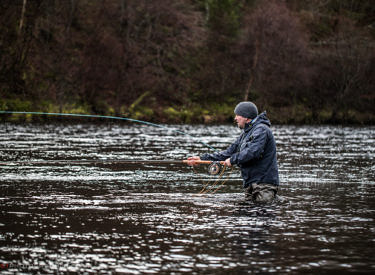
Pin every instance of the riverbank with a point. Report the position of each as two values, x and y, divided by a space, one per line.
193 114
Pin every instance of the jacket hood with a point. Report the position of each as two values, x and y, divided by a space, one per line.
261 118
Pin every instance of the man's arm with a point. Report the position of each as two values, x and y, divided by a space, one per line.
252 149
219 156
223 155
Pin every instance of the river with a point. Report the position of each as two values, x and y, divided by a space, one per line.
147 217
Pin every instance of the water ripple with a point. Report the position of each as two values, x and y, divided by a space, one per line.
148 218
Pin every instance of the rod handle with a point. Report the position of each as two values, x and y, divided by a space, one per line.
202 161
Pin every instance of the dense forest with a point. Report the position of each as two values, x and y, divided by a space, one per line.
190 61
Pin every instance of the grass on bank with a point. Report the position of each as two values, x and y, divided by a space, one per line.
213 113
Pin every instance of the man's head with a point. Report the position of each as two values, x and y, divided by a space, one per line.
245 112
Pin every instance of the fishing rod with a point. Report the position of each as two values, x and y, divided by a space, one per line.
214 168
88 161
108 117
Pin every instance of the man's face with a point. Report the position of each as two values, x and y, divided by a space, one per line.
241 121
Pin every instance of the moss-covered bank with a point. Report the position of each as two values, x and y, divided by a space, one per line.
208 113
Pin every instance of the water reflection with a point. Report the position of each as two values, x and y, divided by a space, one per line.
138 218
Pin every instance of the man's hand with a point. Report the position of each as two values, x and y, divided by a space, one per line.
227 162
192 160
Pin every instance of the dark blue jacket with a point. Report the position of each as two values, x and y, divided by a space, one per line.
254 152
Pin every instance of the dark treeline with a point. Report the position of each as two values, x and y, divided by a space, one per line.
190 60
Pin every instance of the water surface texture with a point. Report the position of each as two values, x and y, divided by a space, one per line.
136 218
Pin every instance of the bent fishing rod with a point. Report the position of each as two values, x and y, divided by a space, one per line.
214 168
107 117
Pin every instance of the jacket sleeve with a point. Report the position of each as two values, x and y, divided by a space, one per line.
252 147
223 155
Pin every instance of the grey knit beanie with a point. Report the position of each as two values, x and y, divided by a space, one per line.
246 109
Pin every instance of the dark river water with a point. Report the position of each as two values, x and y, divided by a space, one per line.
146 217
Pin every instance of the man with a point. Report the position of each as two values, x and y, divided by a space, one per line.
254 151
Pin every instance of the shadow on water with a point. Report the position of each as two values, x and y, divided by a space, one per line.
148 218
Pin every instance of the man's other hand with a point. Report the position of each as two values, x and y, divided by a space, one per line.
192 160
227 162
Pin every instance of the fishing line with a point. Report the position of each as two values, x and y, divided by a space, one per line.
108 117
91 161
203 191
224 181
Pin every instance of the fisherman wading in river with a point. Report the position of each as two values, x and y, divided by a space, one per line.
254 151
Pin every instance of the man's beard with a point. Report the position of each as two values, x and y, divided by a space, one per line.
239 126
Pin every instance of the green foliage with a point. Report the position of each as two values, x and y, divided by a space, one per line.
223 110
210 113
224 16
144 113
16 105
362 11
320 27
194 114
325 115
76 109
138 101
178 116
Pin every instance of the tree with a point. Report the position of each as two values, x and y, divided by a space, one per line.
273 54
139 47
216 75
346 72
16 36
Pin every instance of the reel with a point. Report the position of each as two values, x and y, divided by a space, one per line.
215 168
